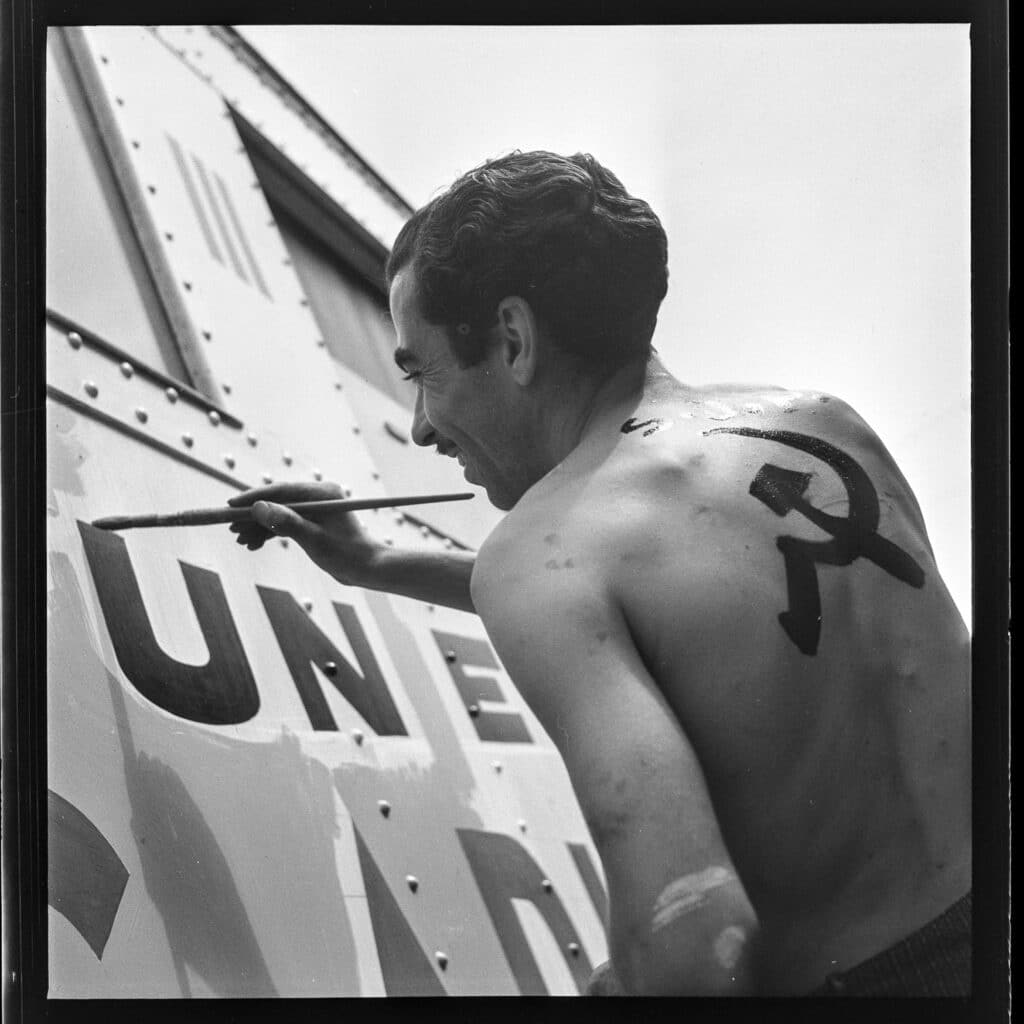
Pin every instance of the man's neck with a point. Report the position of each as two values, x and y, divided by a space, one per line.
588 412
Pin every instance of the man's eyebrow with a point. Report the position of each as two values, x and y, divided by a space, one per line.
403 357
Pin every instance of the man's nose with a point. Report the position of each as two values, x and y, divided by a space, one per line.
422 431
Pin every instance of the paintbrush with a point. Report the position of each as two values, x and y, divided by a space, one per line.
210 516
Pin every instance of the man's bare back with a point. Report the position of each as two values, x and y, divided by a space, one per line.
769 563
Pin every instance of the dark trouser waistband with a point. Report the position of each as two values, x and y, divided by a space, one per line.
933 961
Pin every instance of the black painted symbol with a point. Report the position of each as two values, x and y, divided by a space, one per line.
86 877
653 425
854 536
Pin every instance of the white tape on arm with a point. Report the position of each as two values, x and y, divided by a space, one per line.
687 894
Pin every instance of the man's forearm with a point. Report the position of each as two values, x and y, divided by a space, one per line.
437 577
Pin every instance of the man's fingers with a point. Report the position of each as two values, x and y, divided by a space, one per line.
280 521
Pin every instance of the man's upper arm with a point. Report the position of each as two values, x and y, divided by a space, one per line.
680 919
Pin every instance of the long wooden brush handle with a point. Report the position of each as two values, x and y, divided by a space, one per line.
211 516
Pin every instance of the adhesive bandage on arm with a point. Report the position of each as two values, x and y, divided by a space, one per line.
687 894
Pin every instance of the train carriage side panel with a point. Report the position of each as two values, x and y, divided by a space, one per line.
262 782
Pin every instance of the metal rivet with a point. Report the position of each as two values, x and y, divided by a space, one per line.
574 948
390 543
474 711
442 960
127 369
187 441
399 518
348 492
141 415
283 540
449 656
136 144
320 343
330 668
75 339
355 430
105 60
267 478
229 461
188 285
522 825
425 531
214 417
152 189
384 807
307 604
286 261
252 439
337 385
226 388
448 543
303 301
168 236
90 389
430 608
317 475
413 882
207 335
497 766
546 885
119 101
357 735
286 459
172 395
376 476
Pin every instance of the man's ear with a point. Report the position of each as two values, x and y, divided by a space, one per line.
519 338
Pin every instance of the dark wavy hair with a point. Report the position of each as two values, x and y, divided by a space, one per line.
561 233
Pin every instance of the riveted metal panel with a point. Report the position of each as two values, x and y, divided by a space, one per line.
247 838
237 839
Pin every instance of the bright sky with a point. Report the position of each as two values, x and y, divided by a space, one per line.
814 182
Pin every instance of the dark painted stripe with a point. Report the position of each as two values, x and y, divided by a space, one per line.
194 197
219 218
591 879
504 870
497 726
137 435
86 877
243 241
404 966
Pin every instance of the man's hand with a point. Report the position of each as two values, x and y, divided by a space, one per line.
335 541
338 544
604 982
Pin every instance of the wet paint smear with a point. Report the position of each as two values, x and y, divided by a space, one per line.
286 802
652 425
853 536
86 877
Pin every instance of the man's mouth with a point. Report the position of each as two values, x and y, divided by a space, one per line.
453 453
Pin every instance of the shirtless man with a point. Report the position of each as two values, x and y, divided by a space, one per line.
720 602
